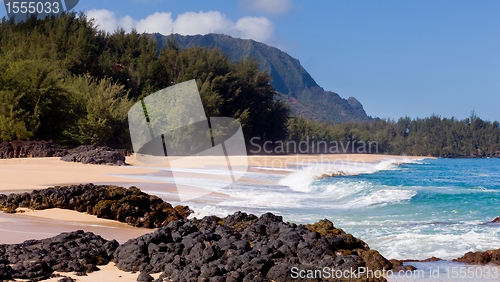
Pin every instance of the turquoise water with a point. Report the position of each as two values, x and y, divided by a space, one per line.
419 209
423 209
414 210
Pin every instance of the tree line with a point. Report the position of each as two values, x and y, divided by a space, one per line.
431 136
64 79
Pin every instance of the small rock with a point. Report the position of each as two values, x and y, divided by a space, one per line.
66 279
144 276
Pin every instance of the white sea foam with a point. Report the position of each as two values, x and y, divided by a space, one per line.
302 179
201 211
273 168
300 189
261 199
446 243
380 197
397 227
207 171
341 189
201 172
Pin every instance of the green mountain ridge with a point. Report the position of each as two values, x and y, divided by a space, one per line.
290 79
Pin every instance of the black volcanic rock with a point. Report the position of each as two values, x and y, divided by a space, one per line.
30 149
242 247
144 276
91 154
67 252
491 256
87 154
106 201
239 247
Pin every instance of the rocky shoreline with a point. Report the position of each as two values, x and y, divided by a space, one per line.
68 252
129 205
87 154
243 247
239 247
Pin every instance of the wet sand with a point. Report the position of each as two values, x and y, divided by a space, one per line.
107 272
19 227
20 175
25 175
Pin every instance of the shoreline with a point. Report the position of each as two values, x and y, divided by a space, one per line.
51 171
101 173
426 270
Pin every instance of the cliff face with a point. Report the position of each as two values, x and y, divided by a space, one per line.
290 79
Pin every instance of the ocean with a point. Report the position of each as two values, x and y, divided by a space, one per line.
404 208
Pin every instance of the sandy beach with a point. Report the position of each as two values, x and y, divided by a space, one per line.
27 174
38 173
107 272
24 175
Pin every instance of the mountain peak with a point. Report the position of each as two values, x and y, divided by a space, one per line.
289 77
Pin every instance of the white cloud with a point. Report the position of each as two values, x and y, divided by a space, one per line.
127 23
259 29
107 20
273 7
189 23
157 22
104 18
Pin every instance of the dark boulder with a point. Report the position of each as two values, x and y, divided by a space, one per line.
30 149
91 154
144 276
130 205
87 154
67 252
491 256
243 247
239 248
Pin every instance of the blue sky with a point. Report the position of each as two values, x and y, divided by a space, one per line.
397 58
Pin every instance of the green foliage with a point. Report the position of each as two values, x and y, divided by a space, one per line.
12 124
71 40
237 90
32 99
131 60
63 79
102 108
433 136
289 76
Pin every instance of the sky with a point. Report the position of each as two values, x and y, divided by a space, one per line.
398 58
